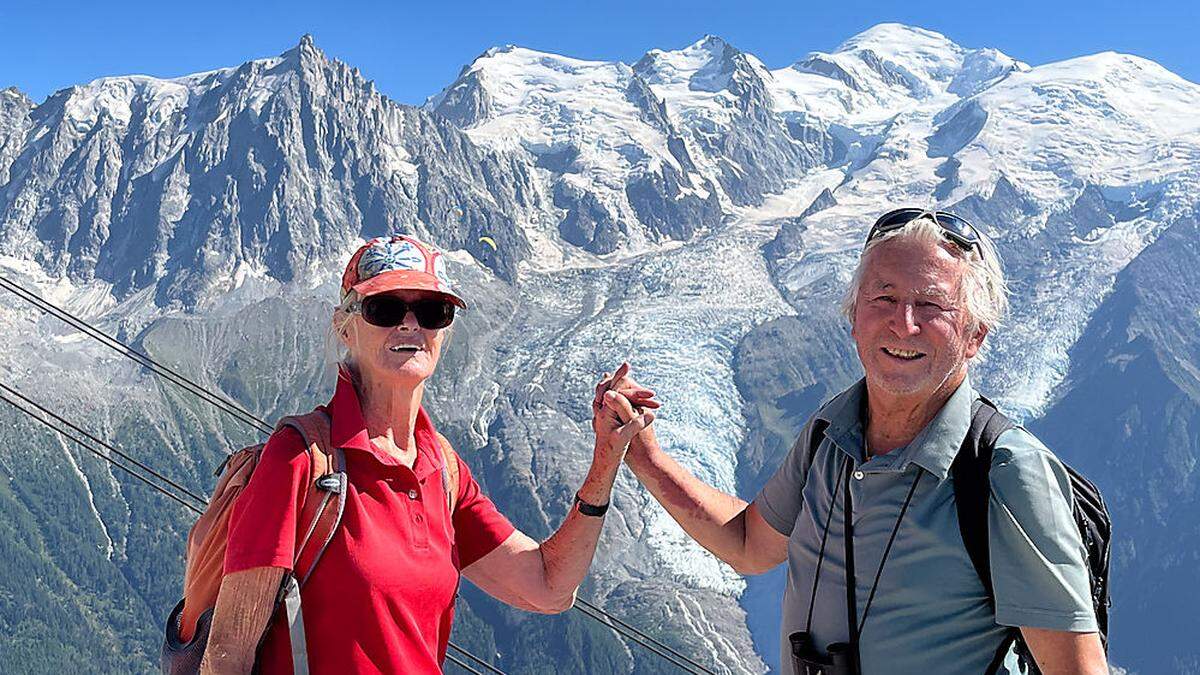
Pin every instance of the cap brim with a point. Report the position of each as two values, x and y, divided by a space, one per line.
406 280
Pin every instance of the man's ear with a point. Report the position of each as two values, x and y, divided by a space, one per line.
975 341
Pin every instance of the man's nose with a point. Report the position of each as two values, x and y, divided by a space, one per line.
904 319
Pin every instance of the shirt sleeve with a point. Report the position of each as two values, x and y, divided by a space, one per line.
779 501
479 527
1037 555
262 527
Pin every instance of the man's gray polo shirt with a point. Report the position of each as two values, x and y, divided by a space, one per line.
930 613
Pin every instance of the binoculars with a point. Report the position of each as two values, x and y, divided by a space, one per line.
839 657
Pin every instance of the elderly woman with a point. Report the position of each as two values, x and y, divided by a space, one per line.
383 595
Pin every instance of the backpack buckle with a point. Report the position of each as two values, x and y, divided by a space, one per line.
331 482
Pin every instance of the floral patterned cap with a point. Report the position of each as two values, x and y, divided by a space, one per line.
398 263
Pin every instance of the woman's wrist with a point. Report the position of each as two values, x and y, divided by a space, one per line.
597 486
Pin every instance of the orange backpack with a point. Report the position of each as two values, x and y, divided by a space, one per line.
188 624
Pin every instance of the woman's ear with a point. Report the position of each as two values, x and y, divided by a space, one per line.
341 327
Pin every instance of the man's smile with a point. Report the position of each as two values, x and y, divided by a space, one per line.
904 354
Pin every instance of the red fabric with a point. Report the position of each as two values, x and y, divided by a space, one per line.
382 597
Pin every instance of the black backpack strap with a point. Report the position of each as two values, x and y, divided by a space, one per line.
972 486
972 489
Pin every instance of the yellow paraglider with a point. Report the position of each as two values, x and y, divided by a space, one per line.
489 241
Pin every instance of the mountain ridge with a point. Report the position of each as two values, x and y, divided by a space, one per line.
694 211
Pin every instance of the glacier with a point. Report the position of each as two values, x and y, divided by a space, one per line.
694 212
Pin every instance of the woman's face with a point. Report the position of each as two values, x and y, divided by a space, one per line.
405 354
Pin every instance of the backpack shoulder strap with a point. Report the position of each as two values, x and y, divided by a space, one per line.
972 490
324 500
321 507
972 487
449 472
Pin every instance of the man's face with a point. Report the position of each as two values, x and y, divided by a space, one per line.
910 327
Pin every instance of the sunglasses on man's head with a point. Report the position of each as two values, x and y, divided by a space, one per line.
955 228
387 311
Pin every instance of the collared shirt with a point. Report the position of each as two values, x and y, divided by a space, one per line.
930 613
382 597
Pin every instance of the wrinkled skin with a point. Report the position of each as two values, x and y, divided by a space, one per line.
911 329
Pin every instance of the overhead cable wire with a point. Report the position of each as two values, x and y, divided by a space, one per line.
635 636
648 637
202 500
483 664
60 426
129 352
89 448
246 417
458 662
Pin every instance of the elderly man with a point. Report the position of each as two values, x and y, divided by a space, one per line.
927 290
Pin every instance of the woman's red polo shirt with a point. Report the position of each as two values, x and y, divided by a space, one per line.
382 597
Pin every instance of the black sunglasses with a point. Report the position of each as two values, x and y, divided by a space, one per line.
388 311
955 228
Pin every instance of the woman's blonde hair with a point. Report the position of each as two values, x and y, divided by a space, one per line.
337 354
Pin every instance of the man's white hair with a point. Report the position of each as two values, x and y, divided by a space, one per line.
983 290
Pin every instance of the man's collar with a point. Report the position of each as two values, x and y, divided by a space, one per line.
348 430
934 449
844 416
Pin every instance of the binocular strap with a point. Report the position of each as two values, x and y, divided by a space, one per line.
854 624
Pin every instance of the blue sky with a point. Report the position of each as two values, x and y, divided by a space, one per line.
412 50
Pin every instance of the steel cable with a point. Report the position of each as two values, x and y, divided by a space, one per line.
99 454
246 417
649 638
483 664
85 445
603 619
106 446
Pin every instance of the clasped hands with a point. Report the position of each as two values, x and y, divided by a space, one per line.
621 409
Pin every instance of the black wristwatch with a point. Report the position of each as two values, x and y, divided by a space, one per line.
590 509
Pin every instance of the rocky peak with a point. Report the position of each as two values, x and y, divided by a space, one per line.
710 64
11 95
15 107
306 55
276 165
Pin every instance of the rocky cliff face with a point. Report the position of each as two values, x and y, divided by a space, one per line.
1129 418
695 212
273 167
622 174
722 97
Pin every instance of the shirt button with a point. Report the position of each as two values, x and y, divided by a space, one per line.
412 494
858 475
418 518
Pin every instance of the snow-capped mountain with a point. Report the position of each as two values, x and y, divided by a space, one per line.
695 212
723 98
268 168
891 65
620 170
